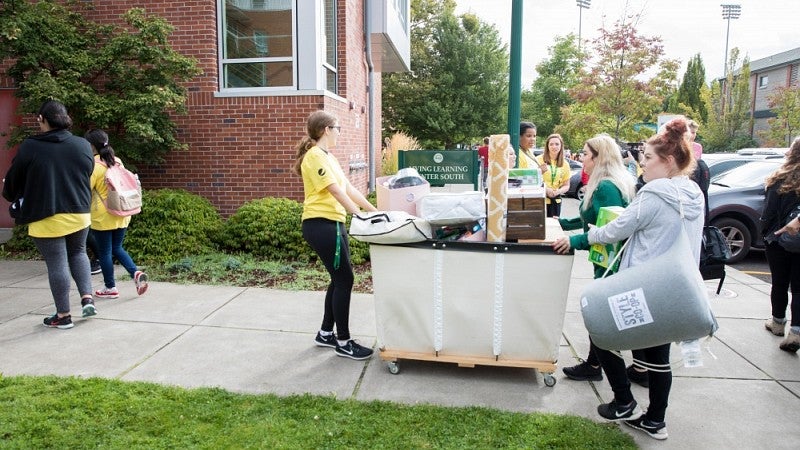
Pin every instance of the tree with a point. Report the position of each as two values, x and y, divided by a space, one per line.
556 75
618 88
729 105
457 90
689 93
785 103
125 80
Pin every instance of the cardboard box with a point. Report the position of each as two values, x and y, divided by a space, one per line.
602 254
525 216
400 199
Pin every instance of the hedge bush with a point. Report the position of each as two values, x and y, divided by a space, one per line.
20 243
173 224
270 228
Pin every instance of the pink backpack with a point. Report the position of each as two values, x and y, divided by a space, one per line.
124 191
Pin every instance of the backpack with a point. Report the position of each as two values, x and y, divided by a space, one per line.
714 249
124 191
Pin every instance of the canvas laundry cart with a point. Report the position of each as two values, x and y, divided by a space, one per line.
472 303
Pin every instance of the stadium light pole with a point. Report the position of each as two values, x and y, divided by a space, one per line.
729 12
582 4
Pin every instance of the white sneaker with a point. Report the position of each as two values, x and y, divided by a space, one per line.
107 293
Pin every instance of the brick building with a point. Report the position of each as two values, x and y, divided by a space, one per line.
266 65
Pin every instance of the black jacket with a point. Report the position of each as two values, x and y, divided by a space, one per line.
51 173
776 209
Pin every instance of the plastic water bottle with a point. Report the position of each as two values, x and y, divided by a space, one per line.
691 352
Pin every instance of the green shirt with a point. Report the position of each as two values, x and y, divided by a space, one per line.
606 194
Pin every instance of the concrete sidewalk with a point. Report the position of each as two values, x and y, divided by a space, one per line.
261 341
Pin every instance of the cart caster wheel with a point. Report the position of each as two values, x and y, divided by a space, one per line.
549 380
394 369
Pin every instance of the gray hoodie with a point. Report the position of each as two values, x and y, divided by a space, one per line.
653 220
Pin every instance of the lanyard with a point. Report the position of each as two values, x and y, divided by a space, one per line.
553 169
338 255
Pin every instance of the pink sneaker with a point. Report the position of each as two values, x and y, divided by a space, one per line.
107 293
140 280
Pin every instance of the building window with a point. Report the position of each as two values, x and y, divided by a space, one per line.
401 6
257 44
330 64
763 81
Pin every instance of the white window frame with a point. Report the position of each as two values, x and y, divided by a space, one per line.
309 59
763 81
327 66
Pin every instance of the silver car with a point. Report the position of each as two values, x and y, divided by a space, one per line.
736 200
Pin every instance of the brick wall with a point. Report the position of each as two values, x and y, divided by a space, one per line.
242 148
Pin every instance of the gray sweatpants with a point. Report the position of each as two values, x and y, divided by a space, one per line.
64 256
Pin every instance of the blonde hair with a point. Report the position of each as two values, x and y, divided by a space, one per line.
608 165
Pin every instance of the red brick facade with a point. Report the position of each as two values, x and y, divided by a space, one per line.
242 148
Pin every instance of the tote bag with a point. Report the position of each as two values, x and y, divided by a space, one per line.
389 227
660 301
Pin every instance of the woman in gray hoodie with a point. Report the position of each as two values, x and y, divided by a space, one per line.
669 204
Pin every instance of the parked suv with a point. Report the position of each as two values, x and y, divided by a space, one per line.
736 200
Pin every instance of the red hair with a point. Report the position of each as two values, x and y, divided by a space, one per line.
671 141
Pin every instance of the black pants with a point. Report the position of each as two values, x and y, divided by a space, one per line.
660 382
785 268
553 208
322 235
595 362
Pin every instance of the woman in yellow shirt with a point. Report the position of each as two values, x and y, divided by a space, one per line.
527 142
555 172
50 178
329 196
108 229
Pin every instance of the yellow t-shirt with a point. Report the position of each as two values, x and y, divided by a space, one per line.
101 219
526 160
555 176
59 225
320 169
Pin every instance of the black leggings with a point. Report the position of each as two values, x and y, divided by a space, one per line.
785 268
660 382
321 235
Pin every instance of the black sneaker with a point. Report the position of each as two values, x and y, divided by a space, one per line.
613 411
353 350
63 323
96 267
325 341
88 308
640 378
583 372
656 430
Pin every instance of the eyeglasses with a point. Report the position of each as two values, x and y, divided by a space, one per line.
337 127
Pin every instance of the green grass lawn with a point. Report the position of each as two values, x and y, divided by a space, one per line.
57 412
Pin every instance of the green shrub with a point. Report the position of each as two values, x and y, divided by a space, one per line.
269 228
21 245
173 224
